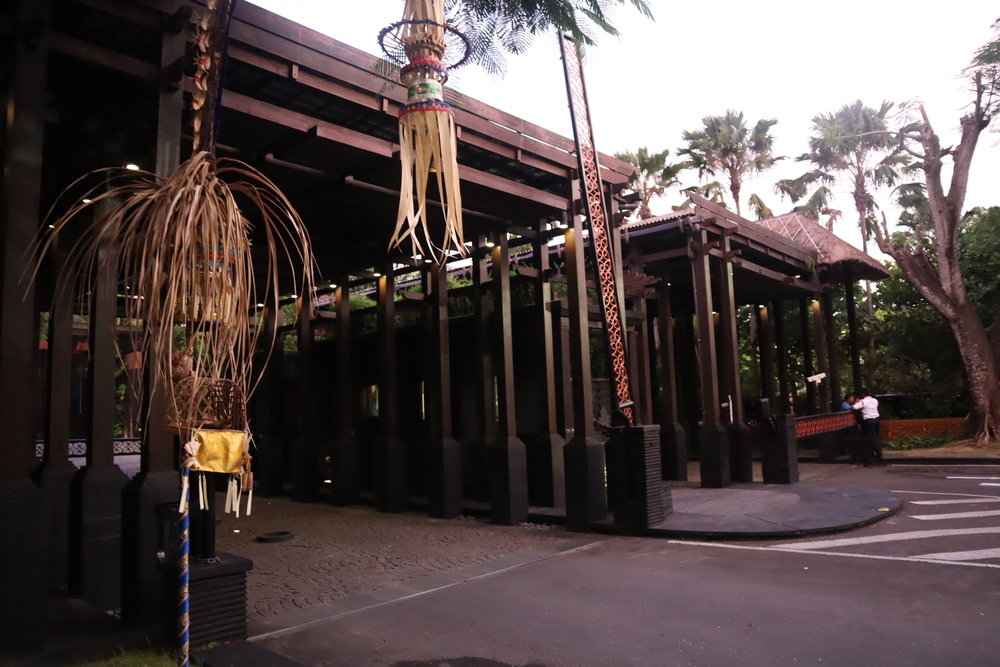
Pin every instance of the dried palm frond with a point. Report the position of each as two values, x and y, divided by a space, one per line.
182 245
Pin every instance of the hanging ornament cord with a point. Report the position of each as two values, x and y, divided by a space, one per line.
427 133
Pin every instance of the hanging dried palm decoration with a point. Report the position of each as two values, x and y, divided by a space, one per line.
183 247
427 135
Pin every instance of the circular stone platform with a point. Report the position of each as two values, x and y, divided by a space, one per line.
764 511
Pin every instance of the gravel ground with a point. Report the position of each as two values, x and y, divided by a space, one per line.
337 552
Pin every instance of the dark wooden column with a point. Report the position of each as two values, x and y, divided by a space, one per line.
852 337
781 348
345 487
822 360
639 364
506 456
713 441
586 497
147 497
765 344
268 415
23 510
805 342
95 562
673 442
833 403
390 453
741 461
477 481
546 478
56 473
305 448
444 479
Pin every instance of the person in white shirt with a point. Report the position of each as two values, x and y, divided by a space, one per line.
868 405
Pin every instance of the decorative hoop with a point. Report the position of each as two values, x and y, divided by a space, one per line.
395 50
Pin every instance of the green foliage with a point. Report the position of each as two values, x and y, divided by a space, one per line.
853 143
917 349
979 252
726 145
653 175
498 26
137 658
929 441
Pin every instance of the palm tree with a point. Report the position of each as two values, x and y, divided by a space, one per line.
726 145
496 26
653 175
854 143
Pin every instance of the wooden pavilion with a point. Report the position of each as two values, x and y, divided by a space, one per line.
441 395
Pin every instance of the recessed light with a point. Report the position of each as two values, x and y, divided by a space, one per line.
132 166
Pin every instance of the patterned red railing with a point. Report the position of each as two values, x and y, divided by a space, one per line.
826 423
600 240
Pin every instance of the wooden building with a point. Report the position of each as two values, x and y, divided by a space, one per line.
437 396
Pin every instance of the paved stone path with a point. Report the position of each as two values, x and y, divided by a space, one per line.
343 551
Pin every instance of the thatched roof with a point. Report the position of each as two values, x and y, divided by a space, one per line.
838 259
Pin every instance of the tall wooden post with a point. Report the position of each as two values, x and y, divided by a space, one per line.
781 348
586 498
673 441
305 448
268 415
95 563
506 455
741 461
477 482
805 342
822 360
765 342
23 510
345 481
713 441
831 343
390 453
546 481
444 482
852 337
147 495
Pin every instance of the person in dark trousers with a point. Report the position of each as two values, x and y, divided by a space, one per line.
868 406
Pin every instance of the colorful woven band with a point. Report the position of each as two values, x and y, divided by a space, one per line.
429 105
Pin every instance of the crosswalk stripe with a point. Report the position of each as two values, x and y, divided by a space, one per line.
970 477
978 554
955 501
942 493
988 484
892 537
956 515
841 554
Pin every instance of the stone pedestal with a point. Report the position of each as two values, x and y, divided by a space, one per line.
635 487
24 527
444 478
149 506
218 608
740 452
96 547
674 452
508 473
546 469
780 458
713 453
55 479
586 498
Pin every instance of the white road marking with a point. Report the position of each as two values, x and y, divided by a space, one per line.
912 559
988 484
973 477
955 515
978 554
891 537
955 501
939 493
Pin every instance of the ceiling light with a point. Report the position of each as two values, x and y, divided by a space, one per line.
132 166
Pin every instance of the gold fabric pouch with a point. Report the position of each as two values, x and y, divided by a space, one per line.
220 451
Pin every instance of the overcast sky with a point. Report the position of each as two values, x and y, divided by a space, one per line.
770 59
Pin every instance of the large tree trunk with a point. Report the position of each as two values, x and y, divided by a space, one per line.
982 372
